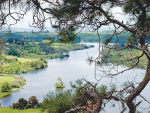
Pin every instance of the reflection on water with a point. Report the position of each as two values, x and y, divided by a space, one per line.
59 90
41 82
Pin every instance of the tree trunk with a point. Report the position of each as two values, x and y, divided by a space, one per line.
142 42
138 90
1 46
98 105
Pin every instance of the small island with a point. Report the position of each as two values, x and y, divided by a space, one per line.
59 84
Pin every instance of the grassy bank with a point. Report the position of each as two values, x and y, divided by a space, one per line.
14 64
22 60
122 57
3 94
11 110
15 81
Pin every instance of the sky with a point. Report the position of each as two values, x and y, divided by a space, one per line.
27 21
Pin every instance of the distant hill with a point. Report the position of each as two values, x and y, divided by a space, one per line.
83 36
104 35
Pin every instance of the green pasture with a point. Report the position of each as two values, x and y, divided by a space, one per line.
6 79
22 60
123 55
11 110
3 94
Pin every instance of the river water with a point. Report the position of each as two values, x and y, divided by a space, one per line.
41 82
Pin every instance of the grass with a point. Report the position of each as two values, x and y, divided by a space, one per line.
43 56
22 60
11 110
6 79
3 94
122 56
35 42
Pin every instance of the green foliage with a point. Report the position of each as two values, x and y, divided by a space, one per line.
122 56
14 52
113 87
19 81
102 89
57 103
21 104
5 87
43 49
4 94
131 7
105 37
126 84
24 104
107 41
33 102
14 65
11 79
68 35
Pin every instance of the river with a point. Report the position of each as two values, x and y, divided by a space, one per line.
41 82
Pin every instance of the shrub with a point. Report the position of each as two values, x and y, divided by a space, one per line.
32 64
5 87
57 103
24 104
33 102
21 104
19 80
15 85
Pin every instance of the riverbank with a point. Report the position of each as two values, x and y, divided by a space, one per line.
122 57
11 110
15 81
29 60
16 65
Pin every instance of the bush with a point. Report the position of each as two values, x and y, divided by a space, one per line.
18 81
15 85
33 102
57 103
24 104
5 87
21 104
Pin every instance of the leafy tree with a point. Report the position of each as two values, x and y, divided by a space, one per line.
33 102
57 103
69 15
5 87
14 52
21 104
24 104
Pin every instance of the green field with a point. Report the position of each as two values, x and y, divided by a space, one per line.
10 110
22 60
5 94
6 79
10 79
14 64
122 57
